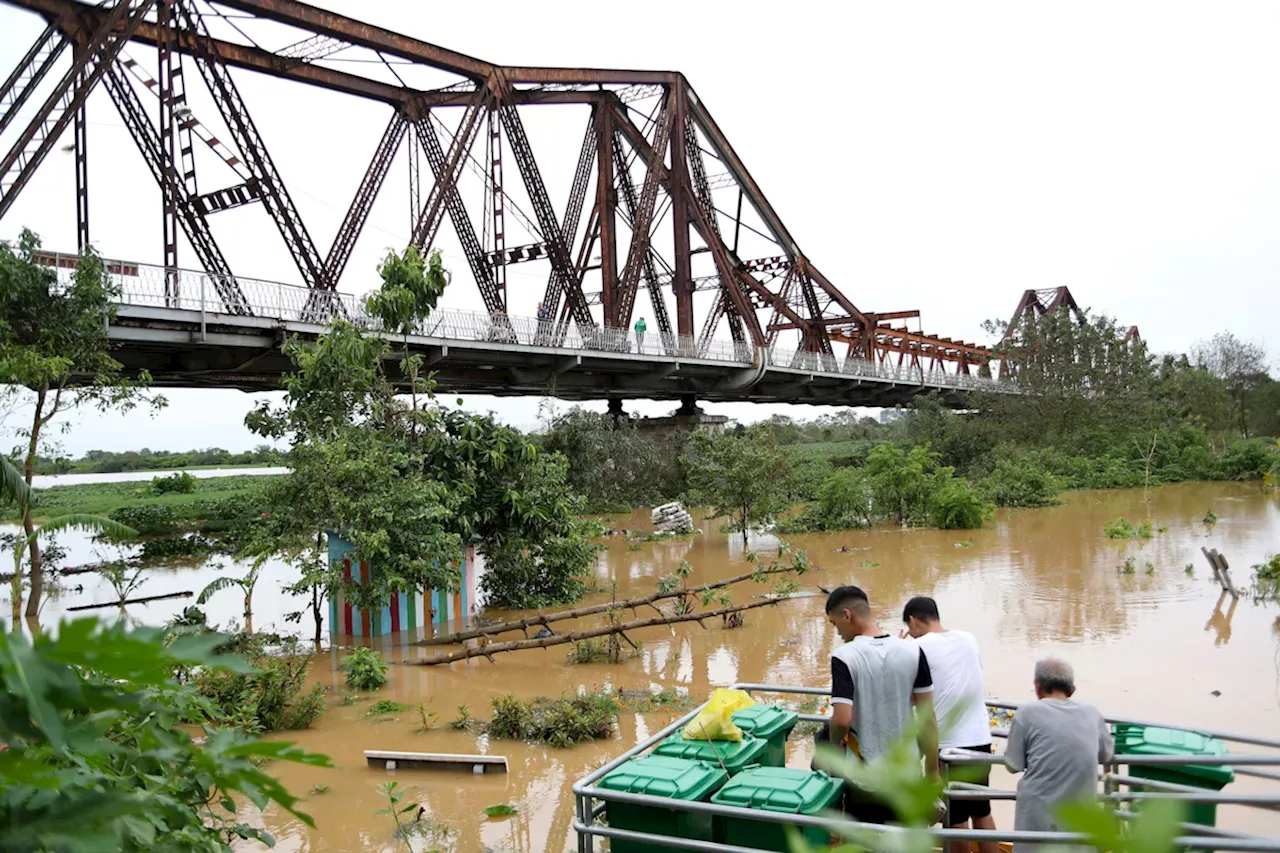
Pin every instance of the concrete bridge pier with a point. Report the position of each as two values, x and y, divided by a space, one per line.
683 420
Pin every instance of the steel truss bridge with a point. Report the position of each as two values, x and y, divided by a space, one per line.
660 210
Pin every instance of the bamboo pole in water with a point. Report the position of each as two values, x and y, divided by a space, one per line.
488 650
632 604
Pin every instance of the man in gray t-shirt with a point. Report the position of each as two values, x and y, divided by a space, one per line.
1059 743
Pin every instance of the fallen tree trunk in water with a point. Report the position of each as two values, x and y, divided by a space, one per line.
488 650
632 604
142 600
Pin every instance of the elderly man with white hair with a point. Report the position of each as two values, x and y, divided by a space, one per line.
1059 743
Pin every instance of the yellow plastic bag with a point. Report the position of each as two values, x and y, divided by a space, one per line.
715 722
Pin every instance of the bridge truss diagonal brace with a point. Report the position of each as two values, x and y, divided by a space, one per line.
445 184
193 222
362 202
643 214
275 196
31 69
462 224
554 290
561 262
96 49
629 203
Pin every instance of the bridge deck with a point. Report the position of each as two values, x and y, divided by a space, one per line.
187 338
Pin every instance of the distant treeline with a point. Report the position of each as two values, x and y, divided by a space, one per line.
109 462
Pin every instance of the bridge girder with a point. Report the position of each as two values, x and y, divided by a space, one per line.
644 175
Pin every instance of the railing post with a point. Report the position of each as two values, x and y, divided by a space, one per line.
203 279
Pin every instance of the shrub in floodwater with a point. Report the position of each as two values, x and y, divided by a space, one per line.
365 669
1210 518
559 722
1151 568
1130 566
385 706
956 505
1144 529
181 483
1266 580
1191 569
1118 529
868 564
1022 480
634 546
269 699
463 720
428 718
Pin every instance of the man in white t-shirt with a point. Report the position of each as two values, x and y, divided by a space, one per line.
961 710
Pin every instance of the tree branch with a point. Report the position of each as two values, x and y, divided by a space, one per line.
491 649
629 604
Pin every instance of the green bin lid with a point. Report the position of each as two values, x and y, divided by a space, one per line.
780 789
1154 740
765 721
734 756
664 776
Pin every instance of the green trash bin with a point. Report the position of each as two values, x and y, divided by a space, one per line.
661 776
732 756
775 789
1150 740
770 723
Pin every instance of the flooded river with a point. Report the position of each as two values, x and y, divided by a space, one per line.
1158 644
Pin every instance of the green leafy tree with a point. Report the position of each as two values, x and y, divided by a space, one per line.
611 463
408 486
94 757
54 349
743 477
1241 365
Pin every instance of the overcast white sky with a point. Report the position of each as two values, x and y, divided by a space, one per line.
941 156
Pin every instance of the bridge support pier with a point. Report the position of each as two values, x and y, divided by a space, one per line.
615 410
682 421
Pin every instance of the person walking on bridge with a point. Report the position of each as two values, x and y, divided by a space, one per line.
961 710
1059 743
641 328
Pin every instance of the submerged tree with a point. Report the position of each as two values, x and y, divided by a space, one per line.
408 487
742 477
54 351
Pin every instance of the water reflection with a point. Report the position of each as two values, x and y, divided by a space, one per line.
1219 622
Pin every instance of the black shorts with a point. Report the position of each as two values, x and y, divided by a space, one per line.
961 811
862 806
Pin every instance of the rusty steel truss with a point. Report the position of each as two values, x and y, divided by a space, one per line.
660 210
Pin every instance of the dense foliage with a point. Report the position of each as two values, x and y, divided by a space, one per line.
613 465
365 669
556 722
409 485
52 336
93 755
271 696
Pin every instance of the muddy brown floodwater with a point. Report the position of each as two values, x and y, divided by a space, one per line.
1152 645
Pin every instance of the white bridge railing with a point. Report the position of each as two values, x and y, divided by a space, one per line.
146 285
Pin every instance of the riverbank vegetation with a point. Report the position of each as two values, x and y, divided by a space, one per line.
112 462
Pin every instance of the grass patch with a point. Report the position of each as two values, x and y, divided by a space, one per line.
105 498
646 702
559 722
1122 529
663 536
385 706
869 564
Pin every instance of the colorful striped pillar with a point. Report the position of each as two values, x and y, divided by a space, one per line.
421 613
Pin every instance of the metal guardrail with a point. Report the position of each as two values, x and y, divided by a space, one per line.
150 286
591 802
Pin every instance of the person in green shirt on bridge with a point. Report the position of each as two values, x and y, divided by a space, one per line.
641 328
